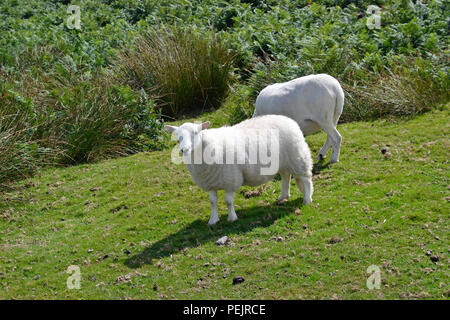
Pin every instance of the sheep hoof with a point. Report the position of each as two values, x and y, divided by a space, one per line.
232 218
281 198
212 221
320 157
307 201
334 160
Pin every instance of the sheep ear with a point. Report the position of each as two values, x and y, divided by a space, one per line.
205 125
170 128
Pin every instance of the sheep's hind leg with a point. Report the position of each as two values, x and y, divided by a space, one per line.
229 200
323 152
285 186
214 215
306 187
336 139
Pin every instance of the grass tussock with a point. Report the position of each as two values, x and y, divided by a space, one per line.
58 120
185 71
22 149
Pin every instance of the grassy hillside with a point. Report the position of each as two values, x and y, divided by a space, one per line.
137 226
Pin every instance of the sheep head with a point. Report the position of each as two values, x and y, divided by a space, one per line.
187 135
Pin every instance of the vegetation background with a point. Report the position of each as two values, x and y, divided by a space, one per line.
76 96
73 96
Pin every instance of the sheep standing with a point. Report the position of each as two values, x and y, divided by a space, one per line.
290 155
314 101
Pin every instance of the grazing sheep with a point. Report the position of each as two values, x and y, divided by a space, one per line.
315 102
227 158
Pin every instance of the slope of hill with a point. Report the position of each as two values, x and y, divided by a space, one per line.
137 226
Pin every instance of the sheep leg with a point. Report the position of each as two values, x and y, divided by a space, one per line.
285 186
336 141
323 152
214 215
306 187
229 200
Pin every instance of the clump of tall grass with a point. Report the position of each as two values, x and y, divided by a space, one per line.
21 151
184 70
99 118
55 117
410 87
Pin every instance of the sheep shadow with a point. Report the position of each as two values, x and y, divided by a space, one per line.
320 165
198 232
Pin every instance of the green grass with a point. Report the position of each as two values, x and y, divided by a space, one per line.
367 209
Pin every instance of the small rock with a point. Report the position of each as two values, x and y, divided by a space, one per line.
384 150
155 287
434 258
297 211
334 240
429 252
37 277
222 241
124 278
127 252
62 219
102 258
238 279
90 250
252 193
390 194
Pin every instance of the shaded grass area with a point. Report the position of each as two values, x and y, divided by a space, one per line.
134 222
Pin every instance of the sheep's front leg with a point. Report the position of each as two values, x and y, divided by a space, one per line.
285 186
306 186
214 215
229 200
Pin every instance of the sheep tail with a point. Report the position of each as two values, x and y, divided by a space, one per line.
339 105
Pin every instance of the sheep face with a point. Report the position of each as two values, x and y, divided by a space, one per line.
188 135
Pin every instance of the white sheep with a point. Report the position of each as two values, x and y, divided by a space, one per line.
227 158
314 101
